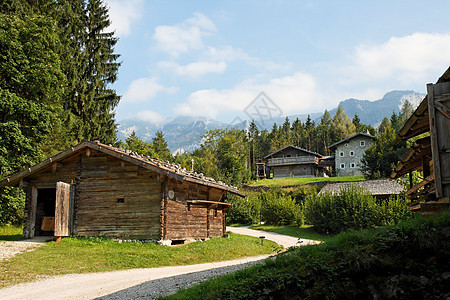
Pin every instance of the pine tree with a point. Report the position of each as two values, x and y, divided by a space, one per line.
162 151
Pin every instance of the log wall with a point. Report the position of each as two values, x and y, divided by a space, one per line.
101 183
185 220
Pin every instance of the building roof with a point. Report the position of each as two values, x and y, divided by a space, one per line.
419 153
295 147
164 168
419 121
377 187
351 137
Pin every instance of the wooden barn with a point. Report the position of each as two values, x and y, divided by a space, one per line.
97 190
430 153
292 161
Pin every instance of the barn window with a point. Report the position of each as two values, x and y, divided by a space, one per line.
352 153
342 166
341 154
352 165
120 200
346 144
363 143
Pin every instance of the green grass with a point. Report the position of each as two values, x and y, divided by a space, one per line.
304 232
85 255
11 233
302 181
406 261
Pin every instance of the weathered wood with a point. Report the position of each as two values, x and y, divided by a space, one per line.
62 209
427 180
34 196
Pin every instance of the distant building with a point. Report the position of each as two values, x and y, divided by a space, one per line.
380 188
292 161
349 152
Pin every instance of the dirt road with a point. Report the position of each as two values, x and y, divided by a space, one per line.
138 283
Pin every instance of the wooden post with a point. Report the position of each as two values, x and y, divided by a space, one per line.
434 140
34 196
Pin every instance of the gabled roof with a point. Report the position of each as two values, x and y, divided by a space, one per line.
164 168
377 187
295 147
419 121
351 137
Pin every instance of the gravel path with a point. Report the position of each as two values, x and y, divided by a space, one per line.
139 283
281 239
9 249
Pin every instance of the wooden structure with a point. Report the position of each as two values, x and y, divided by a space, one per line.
97 190
292 161
262 170
379 188
431 152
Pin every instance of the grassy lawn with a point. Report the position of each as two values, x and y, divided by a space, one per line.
85 255
304 232
11 233
300 181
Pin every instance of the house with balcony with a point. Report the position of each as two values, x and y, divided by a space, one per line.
349 152
292 161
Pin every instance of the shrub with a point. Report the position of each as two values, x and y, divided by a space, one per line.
245 210
12 203
277 209
353 208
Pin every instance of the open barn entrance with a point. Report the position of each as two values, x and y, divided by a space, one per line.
45 212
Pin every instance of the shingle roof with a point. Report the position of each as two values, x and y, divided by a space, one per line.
375 187
350 137
165 168
295 147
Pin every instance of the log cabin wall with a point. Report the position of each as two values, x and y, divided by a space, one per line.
189 220
112 198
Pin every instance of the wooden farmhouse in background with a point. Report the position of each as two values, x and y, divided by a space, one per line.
349 152
97 190
292 161
430 125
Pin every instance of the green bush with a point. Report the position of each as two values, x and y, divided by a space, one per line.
12 203
245 210
352 208
278 209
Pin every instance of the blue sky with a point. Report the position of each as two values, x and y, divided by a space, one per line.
212 58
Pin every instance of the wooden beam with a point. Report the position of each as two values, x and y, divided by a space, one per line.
434 141
427 180
88 152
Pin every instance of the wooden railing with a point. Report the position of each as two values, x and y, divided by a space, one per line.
292 160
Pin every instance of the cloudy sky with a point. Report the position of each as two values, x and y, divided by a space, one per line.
212 58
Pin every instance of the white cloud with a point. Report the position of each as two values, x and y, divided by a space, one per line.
185 36
228 53
122 14
404 59
195 69
150 116
144 89
292 94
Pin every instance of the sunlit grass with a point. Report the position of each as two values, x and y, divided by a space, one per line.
304 232
85 255
11 233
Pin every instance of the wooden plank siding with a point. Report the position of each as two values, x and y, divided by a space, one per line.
113 197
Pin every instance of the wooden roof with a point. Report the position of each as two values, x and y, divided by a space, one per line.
296 148
379 187
419 153
351 137
164 168
419 122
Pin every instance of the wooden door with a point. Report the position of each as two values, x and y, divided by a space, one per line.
62 209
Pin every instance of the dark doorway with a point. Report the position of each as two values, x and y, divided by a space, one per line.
45 212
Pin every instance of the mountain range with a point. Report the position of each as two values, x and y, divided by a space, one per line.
184 133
